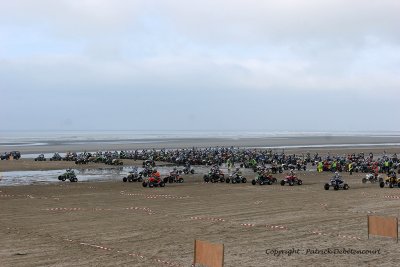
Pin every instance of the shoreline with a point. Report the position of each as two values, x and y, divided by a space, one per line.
274 143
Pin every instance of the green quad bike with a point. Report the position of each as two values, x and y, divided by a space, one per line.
70 175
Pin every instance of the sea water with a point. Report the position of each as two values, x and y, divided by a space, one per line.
42 138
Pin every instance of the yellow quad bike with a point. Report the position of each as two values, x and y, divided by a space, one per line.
391 182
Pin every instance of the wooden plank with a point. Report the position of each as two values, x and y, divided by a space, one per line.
383 226
208 254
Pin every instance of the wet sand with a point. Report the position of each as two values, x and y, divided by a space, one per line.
32 165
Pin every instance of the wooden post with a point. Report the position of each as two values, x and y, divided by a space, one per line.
383 226
194 260
397 227
208 254
223 254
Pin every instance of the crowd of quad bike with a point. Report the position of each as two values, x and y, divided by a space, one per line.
247 158
10 155
110 158
265 163
149 176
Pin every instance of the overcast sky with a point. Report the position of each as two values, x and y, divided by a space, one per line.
297 65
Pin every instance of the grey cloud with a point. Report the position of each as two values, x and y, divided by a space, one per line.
197 59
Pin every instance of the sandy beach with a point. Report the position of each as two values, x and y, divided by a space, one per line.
111 223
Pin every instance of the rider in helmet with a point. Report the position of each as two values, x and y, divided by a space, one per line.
174 172
338 178
237 172
156 175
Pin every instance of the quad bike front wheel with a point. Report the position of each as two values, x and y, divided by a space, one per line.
144 184
345 186
364 180
382 184
336 187
124 179
244 180
299 182
326 186
253 182
282 183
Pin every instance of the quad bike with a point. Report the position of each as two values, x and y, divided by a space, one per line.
15 154
153 182
291 180
147 171
188 170
133 176
214 177
264 179
251 164
9 155
70 175
336 183
114 162
370 177
236 179
301 167
173 178
40 158
70 156
148 162
276 169
390 181
81 160
56 157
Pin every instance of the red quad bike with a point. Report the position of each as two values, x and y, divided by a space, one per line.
291 180
153 182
